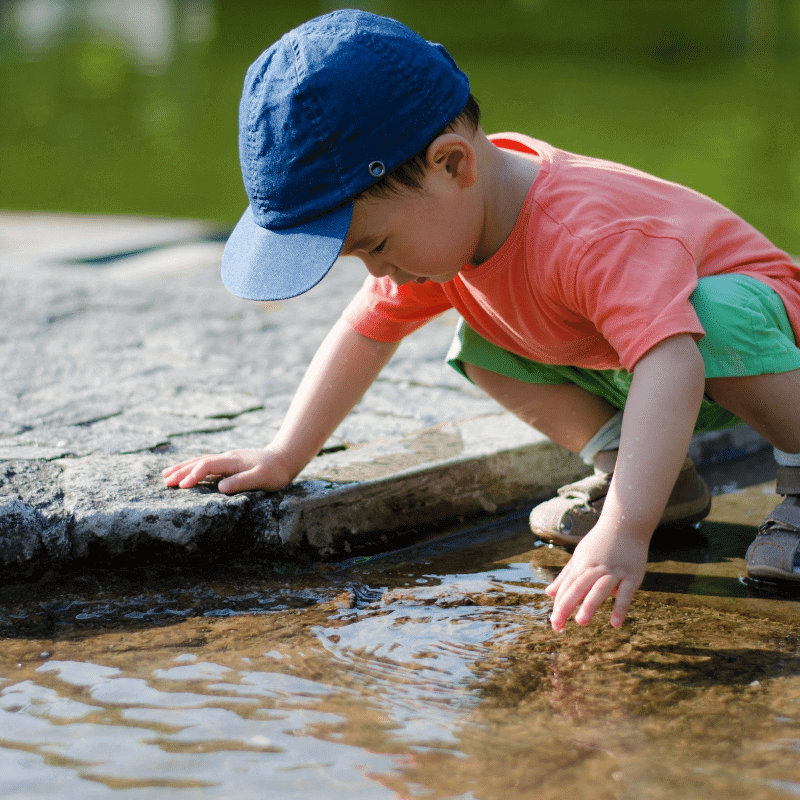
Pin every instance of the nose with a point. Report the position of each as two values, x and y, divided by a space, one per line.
378 268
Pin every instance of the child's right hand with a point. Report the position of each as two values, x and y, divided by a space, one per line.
242 470
608 561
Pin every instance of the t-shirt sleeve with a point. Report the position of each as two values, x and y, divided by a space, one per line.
386 312
635 289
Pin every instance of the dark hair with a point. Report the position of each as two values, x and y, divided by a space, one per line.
410 173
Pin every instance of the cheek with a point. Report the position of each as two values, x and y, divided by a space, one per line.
440 240
438 248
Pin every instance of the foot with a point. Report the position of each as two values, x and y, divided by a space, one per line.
775 553
567 518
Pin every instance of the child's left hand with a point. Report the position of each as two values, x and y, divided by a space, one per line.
606 562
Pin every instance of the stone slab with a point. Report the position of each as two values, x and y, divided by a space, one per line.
121 353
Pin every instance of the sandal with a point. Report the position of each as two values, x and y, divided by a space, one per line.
567 518
775 553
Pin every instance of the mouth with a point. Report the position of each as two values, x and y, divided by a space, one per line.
420 280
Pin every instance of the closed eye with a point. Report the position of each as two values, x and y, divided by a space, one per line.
378 249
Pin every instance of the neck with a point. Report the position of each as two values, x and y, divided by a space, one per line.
508 177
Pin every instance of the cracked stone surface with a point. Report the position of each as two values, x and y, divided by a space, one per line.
121 352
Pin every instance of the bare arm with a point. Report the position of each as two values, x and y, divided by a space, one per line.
344 367
658 421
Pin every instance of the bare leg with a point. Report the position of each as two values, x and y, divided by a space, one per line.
770 404
565 413
571 416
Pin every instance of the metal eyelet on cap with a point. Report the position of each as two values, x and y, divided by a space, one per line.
377 169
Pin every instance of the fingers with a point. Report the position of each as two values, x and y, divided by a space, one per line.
625 594
175 474
595 597
190 473
587 593
240 471
175 468
242 481
587 590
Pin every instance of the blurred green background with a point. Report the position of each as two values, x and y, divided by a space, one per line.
130 107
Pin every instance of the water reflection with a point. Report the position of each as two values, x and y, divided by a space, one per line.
209 744
320 714
173 739
420 645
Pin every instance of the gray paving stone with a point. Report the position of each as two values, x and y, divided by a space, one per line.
121 352
21 529
115 502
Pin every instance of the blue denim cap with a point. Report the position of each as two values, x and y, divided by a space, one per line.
327 111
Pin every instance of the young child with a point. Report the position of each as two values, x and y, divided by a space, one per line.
611 310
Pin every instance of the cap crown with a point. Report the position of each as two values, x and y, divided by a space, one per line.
335 104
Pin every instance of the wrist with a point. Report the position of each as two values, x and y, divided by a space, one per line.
284 459
628 526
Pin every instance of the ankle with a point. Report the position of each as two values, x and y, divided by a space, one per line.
787 481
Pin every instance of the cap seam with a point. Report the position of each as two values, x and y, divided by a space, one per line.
390 56
314 114
251 131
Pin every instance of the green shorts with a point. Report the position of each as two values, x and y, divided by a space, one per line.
747 332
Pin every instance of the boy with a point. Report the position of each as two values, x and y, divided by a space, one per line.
585 287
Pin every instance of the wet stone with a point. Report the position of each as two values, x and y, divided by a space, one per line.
21 530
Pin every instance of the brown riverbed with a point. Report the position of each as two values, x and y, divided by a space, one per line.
429 674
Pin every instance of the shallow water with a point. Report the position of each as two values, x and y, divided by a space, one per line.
429 673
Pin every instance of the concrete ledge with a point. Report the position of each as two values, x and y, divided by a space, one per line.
121 353
370 494
500 463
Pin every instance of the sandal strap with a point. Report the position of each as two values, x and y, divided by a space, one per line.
596 485
773 553
588 489
787 515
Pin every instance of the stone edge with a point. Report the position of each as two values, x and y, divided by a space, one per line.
315 517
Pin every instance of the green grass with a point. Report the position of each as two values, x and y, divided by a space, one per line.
727 132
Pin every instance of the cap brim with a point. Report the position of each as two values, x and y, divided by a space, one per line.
263 264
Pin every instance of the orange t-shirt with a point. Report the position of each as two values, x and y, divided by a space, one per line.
597 270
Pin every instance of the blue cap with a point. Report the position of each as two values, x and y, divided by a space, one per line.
326 111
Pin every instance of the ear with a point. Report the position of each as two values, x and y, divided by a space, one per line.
453 156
